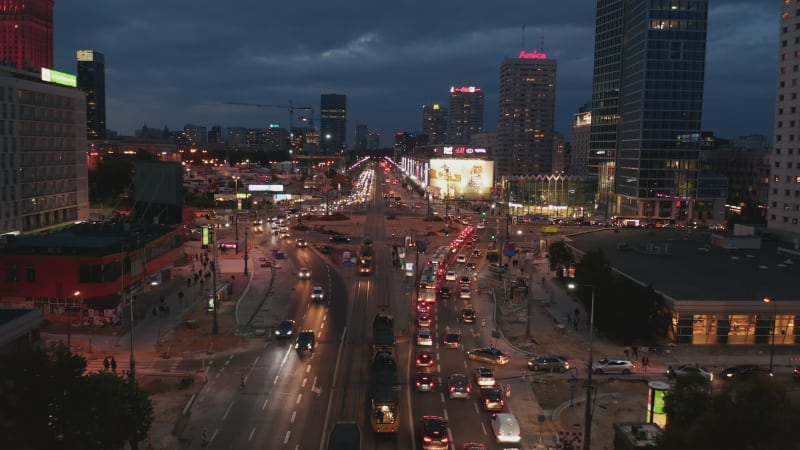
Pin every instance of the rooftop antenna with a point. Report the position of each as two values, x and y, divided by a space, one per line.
542 43
523 38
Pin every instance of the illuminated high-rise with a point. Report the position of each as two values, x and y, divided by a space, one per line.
647 98
92 81
526 115
333 123
464 114
26 33
434 123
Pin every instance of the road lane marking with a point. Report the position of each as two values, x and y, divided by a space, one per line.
264 406
213 436
445 418
308 368
286 438
275 381
227 411
303 384
294 414
299 397
483 426
252 432
441 395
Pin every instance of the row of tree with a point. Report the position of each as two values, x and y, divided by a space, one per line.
47 402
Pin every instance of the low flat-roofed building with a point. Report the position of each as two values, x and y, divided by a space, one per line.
716 294
634 436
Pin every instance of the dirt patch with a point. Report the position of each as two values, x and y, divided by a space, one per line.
195 334
169 395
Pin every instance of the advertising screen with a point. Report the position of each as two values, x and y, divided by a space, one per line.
457 178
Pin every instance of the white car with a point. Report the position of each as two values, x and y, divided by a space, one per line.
305 273
424 337
506 428
317 294
481 226
450 276
464 293
461 259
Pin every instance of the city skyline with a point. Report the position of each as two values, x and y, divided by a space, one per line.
184 64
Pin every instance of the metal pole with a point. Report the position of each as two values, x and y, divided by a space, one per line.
132 371
587 417
215 326
246 254
774 329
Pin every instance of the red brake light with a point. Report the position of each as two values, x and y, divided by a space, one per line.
443 439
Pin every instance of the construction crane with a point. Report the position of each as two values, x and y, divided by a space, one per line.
290 107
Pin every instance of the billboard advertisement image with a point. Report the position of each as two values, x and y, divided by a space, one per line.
457 178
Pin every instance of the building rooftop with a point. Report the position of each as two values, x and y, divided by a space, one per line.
684 265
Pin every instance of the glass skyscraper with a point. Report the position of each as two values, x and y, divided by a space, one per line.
333 123
647 98
92 81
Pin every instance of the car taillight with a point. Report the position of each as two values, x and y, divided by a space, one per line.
427 439
452 389
443 439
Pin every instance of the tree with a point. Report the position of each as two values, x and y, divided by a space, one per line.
561 257
47 402
750 415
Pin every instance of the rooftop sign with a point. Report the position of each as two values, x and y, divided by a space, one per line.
54 76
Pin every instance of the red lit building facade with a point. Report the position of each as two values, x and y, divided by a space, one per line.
26 33
93 272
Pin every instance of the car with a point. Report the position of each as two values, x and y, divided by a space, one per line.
444 293
481 225
423 307
461 259
689 370
450 275
551 363
305 341
484 377
434 433
304 273
424 337
459 386
339 238
613 365
473 446
284 329
325 250
302 243
468 315
505 428
476 253
464 292
492 399
465 280
317 294
796 374
452 340
285 235
425 382
424 320
471 266
489 354
425 358
743 371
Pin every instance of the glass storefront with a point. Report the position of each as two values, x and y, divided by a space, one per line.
735 329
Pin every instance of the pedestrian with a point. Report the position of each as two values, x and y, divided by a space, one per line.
634 352
113 365
626 351
155 311
645 361
106 364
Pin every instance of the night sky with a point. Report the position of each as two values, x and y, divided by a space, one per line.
178 62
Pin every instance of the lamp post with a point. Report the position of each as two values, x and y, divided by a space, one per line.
447 194
774 328
587 414
236 212
75 296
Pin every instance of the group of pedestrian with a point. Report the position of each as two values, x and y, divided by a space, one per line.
110 363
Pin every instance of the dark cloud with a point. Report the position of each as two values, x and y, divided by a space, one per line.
179 62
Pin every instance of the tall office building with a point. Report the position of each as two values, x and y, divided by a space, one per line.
434 123
92 81
44 183
581 128
361 137
333 123
464 114
647 98
526 115
784 182
26 33
374 139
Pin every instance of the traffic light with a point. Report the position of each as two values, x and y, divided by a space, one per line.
483 213
493 236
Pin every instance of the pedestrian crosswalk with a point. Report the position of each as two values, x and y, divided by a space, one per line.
123 365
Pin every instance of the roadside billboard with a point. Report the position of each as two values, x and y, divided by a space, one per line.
456 178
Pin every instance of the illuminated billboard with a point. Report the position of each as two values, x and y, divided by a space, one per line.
456 178
54 76
265 187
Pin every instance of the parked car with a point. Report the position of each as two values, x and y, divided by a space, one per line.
689 370
743 371
613 365
548 363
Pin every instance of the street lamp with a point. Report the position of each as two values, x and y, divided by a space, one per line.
236 212
587 415
774 327
75 296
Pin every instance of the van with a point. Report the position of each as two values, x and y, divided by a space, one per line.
506 428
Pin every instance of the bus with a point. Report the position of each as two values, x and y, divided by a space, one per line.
641 221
